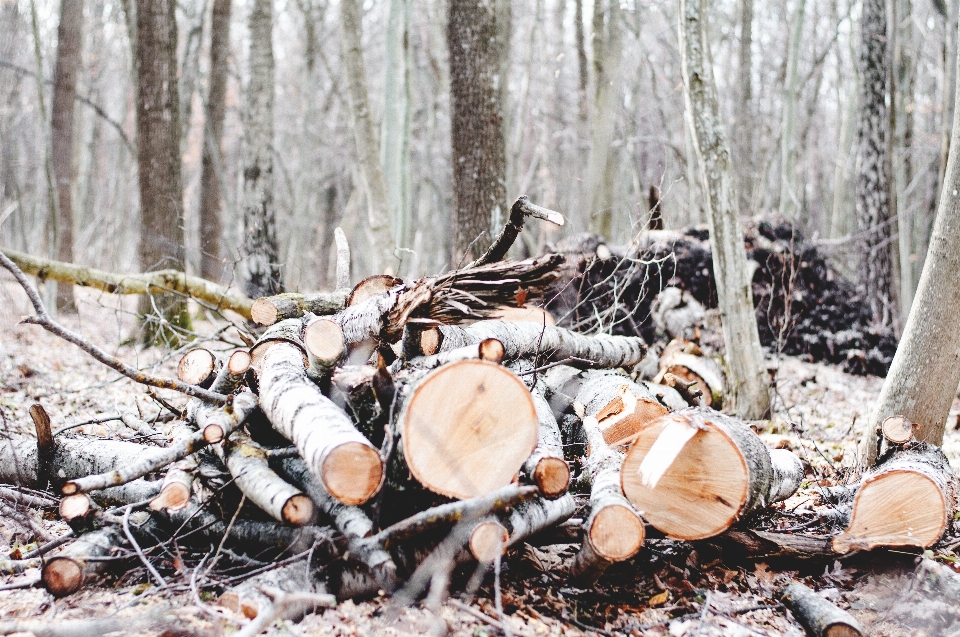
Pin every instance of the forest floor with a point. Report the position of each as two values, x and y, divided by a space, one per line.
669 588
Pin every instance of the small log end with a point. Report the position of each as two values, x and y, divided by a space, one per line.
62 576
552 476
298 510
264 312
488 541
352 473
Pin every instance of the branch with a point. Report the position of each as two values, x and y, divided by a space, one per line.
46 322
519 211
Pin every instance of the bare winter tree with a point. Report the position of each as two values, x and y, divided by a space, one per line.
740 335
69 40
923 378
211 177
158 159
479 153
261 254
873 200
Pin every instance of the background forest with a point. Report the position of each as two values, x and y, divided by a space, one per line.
592 117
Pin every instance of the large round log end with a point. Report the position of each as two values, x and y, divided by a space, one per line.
616 533
264 312
488 541
324 341
352 473
298 510
197 367
62 576
552 476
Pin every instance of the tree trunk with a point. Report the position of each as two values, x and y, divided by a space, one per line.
873 205
211 177
395 153
69 42
261 254
583 73
368 147
789 196
158 160
745 101
748 373
925 372
479 152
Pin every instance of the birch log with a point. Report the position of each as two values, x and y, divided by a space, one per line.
621 406
67 571
546 467
269 310
708 471
500 532
819 616
198 367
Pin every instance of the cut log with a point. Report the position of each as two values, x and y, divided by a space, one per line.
73 457
247 463
490 350
525 314
614 531
700 370
349 467
430 341
198 367
370 287
548 343
525 520
467 428
721 473
897 429
230 378
273 309
138 464
323 341
66 572
177 486
21 497
546 467
621 406
907 499
821 617
488 540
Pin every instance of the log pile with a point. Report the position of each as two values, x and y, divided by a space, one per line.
804 306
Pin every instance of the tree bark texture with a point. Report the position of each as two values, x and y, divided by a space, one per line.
873 195
750 386
365 135
925 372
69 43
790 196
745 100
261 253
158 157
479 151
212 177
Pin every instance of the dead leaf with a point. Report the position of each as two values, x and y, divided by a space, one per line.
659 599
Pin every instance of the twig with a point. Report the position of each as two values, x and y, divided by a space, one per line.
92 421
136 547
44 320
497 595
30 583
49 546
282 603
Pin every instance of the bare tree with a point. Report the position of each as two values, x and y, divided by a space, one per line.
395 152
741 337
261 254
873 202
158 159
922 381
745 121
789 194
479 152
365 135
211 177
69 41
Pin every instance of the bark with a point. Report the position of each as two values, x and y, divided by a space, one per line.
177 486
621 406
231 376
546 467
931 336
581 39
69 43
69 570
741 338
818 615
198 367
907 499
745 119
547 343
73 457
702 371
158 160
365 136
707 472
873 201
261 253
173 281
211 177
753 545
338 455
477 132
790 196
613 532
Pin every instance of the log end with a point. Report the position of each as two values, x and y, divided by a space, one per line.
298 510
213 433
173 497
324 342
197 366
897 429
62 576
75 506
264 312
552 476
491 350
371 287
430 340
626 415
239 362
617 533
895 508
700 494
352 472
488 541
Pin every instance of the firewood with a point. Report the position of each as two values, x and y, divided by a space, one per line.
67 571
177 486
488 539
621 406
323 341
689 368
821 617
138 464
519 524
750 544
73 457
349 467
546 466
614 531
907 499
273 309
23 498
547 343
247 463
198 367
490 350
230 377
370 287
467 428
897 429
709 471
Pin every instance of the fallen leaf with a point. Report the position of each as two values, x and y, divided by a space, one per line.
659 599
